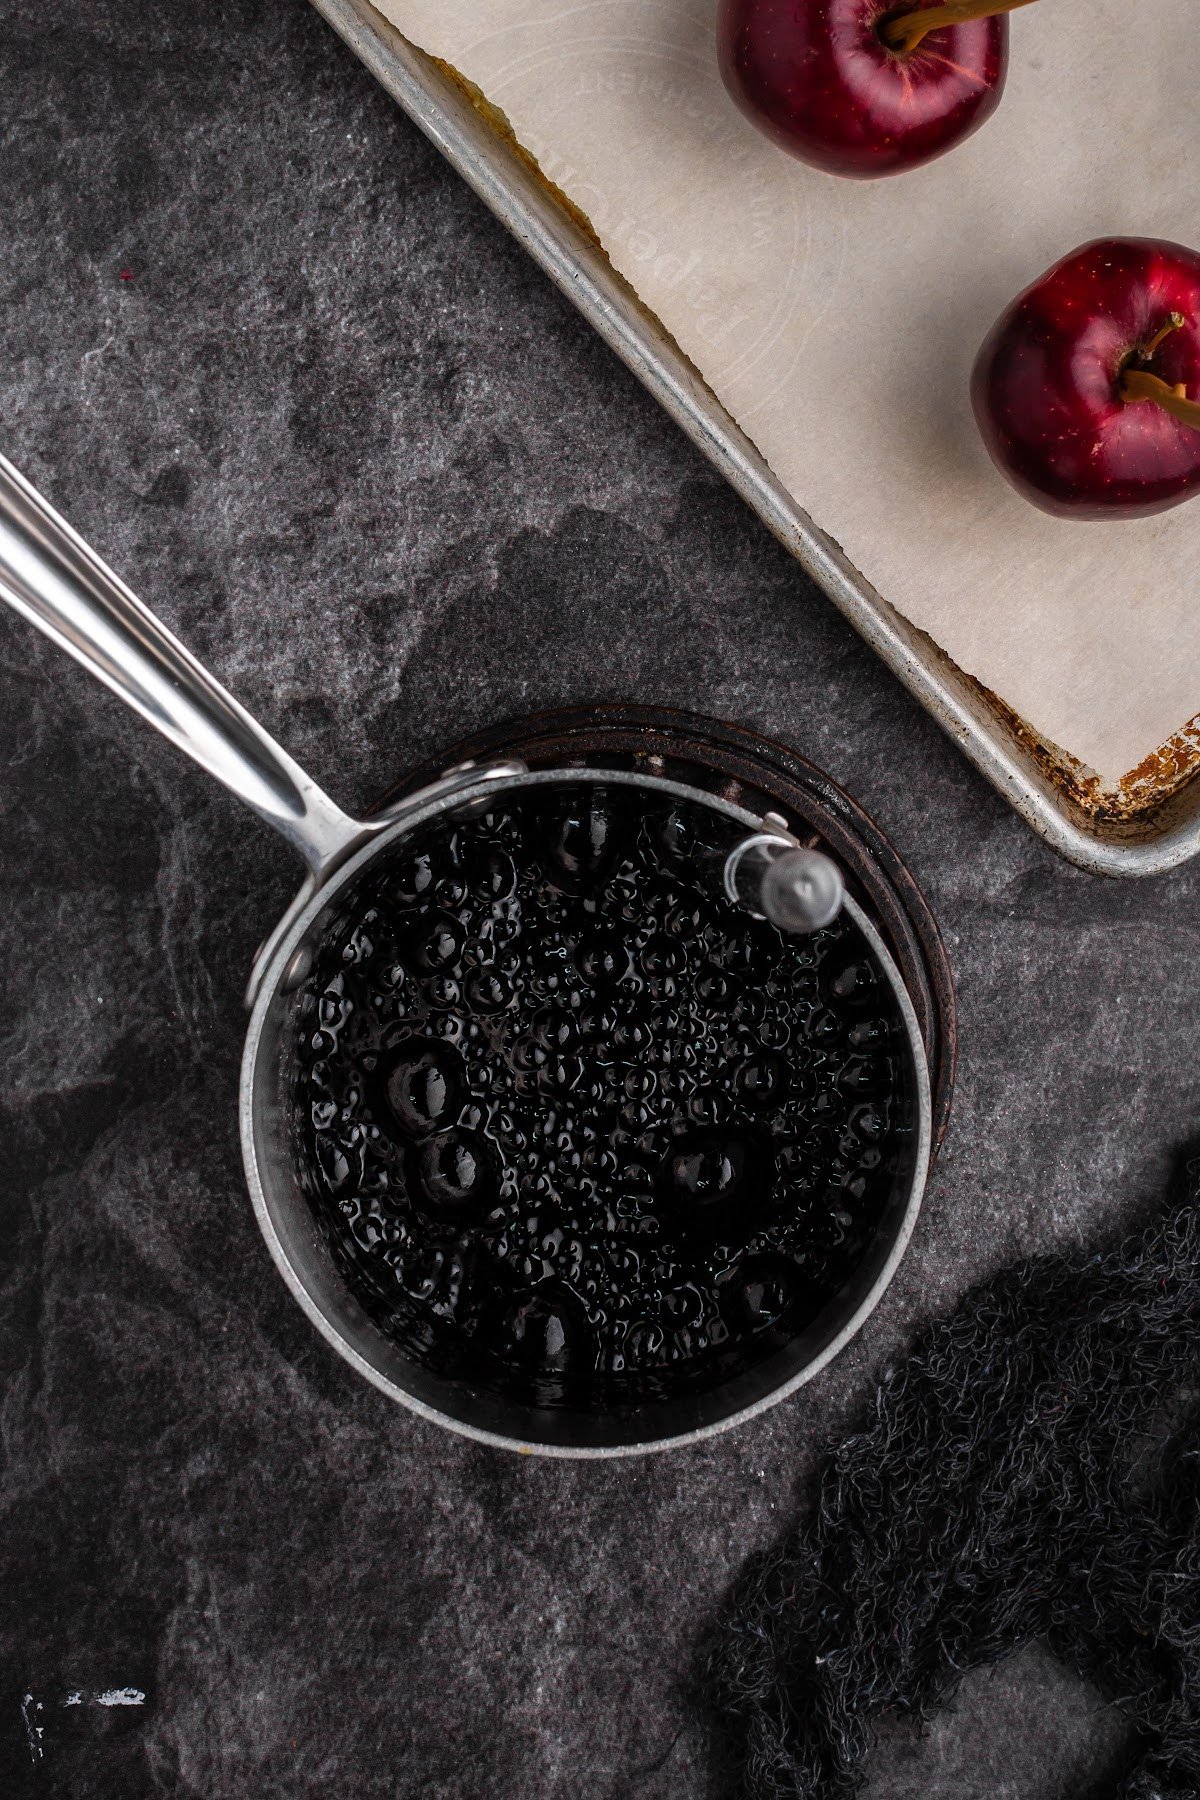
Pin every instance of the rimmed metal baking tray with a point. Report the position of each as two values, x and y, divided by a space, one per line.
1152 825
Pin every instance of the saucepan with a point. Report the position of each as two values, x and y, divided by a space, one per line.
53 579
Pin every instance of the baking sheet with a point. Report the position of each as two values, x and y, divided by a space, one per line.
837 321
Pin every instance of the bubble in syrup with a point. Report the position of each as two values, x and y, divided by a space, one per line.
341 1167
717 1179
870 1121
490 873
769 1293
410 879
866 1034
603 959
582 841
852 983
676 835
762 1080
450 891
488 990
660 957
425 1086
558 1029
645 1342
863 1075
548 1332
457 1171
439 942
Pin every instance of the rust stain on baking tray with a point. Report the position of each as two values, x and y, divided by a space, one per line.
1142 791
1137 795
499 121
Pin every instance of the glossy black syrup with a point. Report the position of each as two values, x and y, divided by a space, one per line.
581 1132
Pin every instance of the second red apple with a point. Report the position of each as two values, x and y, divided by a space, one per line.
863 87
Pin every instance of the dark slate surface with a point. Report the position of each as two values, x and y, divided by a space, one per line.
275 361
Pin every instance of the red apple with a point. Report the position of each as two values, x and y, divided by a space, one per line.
865 87
1086 388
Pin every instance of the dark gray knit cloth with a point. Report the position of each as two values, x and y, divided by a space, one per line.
1029 1473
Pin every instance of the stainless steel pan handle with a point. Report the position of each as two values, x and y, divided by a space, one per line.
53 579
56 581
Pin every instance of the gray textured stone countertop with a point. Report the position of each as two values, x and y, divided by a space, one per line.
276 362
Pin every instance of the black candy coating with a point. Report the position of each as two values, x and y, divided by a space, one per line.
578 1129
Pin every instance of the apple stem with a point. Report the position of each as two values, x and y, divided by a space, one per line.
1174 321
904 32
1138 384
